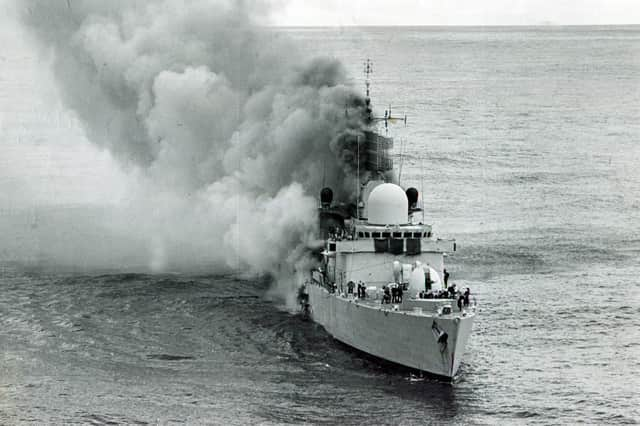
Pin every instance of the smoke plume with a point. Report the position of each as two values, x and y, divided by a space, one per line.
228 131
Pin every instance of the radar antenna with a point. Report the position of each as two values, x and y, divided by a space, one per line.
388 118
375 147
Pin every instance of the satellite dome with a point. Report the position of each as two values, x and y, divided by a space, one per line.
387 205
417 279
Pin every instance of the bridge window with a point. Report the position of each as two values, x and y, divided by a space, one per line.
381 245
375 234
396 245
386 235
414 246
417 234
366 235
361 234
397 235
407 234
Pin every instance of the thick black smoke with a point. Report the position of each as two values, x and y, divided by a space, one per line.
229 132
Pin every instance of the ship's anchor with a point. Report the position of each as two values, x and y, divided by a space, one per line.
441 336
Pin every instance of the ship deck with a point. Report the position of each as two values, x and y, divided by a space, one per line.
410 306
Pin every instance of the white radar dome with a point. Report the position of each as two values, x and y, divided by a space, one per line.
418 276
388 205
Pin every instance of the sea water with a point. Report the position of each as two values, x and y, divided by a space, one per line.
525 143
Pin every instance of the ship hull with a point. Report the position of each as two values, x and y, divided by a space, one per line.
399 337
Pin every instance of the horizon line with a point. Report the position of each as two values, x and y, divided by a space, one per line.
452 25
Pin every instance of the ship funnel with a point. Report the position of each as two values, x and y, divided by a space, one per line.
412 196
326 197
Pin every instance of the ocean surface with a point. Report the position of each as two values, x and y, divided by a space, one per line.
526 145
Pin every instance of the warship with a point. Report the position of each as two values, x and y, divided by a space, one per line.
381 286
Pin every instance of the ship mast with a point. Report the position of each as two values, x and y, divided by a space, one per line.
376 146
358 179
368 70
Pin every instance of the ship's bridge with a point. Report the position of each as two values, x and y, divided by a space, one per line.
396 240
365 230
386 225
393 239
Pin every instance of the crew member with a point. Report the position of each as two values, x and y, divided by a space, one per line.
452 290
350 286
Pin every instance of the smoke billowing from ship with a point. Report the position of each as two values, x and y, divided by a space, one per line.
228 132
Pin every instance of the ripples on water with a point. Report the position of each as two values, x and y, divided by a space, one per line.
138 348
